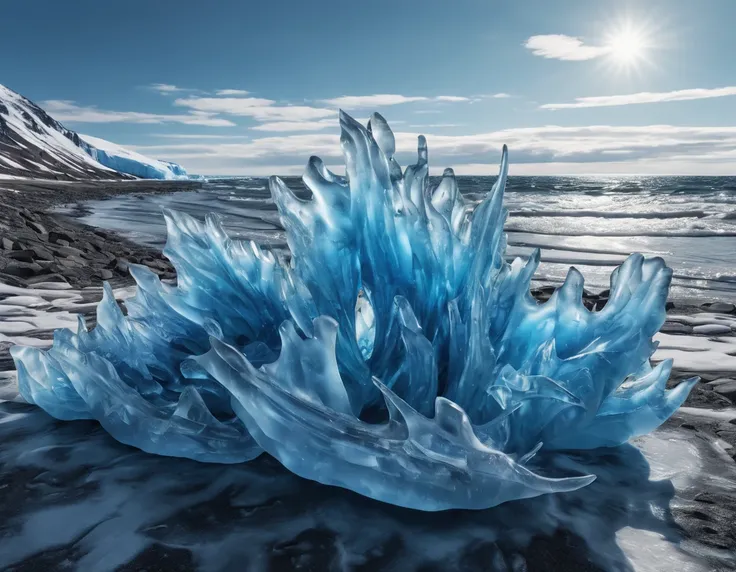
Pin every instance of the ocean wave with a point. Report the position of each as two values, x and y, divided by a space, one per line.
694 233
610 214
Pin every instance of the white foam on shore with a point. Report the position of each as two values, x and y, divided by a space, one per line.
697 353
28 316
720 415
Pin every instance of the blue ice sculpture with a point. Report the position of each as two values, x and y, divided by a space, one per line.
396 353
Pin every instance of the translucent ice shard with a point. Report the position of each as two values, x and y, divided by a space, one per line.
396 354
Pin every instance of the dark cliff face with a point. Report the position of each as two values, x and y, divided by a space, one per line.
34 145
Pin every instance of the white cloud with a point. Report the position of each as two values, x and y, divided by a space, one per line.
69 111
436 125
451 98
386 99
225 92
165 88
590 149
254 107
500 95
561 47
196 137
644 97
369 101
296 125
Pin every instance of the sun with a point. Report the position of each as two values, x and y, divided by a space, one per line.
627 45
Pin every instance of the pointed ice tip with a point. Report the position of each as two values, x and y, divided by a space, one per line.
347 119
107 290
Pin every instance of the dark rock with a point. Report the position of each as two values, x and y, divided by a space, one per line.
46 264
720 307
720 381
669 305
42 254
703 396
46 278
36 227
71 262
61 242
7 244
676 328
11 280
727 389
55 236
67 251
22 269
105 274
22 255
26 214
601 303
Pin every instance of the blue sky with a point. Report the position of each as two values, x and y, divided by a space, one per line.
242 87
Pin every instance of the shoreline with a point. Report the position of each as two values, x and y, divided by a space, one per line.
38 245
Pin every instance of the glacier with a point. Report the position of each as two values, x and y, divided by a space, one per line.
126 161
395 353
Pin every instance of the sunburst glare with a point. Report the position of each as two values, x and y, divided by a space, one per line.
628 45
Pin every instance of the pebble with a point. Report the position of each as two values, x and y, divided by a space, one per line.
676 328
37 227
22 255
55 236
22 269
727 389
712 329
720 307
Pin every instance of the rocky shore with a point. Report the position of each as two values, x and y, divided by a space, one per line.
66 489
39 246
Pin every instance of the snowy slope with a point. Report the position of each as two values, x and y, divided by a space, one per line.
126 161
35 145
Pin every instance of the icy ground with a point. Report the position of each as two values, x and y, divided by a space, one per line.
73 498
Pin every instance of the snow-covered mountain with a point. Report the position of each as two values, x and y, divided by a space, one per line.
33 144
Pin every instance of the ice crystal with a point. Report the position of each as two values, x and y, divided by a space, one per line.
396 354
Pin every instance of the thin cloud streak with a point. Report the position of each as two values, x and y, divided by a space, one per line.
387 99
643 97
70 112
226 92
257 108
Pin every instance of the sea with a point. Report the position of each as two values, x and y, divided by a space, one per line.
590 222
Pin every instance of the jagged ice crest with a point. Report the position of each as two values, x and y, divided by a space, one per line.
396 354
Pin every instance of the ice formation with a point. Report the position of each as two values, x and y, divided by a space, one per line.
396 354
126 161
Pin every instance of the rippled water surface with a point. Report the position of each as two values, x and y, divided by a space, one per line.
589 222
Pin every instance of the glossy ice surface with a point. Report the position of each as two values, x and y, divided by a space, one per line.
395 354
